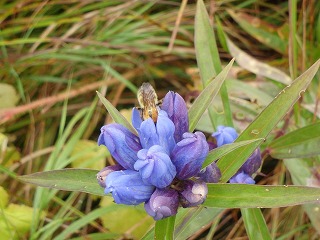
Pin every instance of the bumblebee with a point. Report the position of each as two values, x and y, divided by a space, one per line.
148 101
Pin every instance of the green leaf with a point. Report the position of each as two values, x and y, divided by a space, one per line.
204 99
115 114
223 150
205 45
80 180
164 228
265 122
226 195
255 224
303 142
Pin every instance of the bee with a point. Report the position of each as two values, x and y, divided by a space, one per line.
148 101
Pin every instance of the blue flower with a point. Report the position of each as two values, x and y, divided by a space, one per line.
102 175
177 111
242 178
121 143
189 154
127 187
194 193
155 166
211 174
151 134
225 135
253 163
163 203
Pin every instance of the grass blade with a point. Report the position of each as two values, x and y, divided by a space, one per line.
205 44
204 99
255 224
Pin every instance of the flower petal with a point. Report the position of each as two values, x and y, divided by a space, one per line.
122 144
189 154
155 167
127 187
177 111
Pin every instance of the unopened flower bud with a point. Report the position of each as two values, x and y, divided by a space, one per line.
155 166
225 135
194 193
242 177
210 174
177 111
253 163
163 203
121 143
102 175
127 187
189 154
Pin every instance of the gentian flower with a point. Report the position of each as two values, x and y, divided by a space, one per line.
155 166
127 187
242 177
253 163
189 154
177 111
102 175
163 203
121 143
225 135
194 193
210 174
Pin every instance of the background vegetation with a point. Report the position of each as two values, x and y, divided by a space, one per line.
56 54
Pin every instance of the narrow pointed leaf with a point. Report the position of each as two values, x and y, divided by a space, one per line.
115 114
79 180
223 150
204 99
303 142
255 224
257 196
164 228
205 44
265 122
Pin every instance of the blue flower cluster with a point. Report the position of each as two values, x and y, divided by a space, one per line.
161 167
